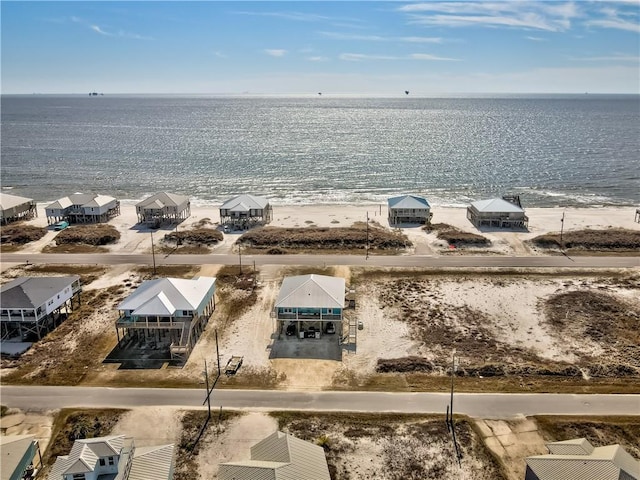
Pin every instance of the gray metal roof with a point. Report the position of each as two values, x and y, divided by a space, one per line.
165 296
10 201
165 199
496 205
33 292
244 203
601 463
153 463
312 291
408 201
84 199
14 450
280 456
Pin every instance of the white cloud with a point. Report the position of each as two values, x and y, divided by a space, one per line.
426 56
101 31
97 29
616 23
538 15
219 54
537 39
275 52
318 59
359 57
378 38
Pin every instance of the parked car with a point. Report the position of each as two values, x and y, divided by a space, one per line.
291 329
360 325
331 328
60 226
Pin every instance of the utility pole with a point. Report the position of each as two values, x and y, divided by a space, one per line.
561 230
367 246
153 254
206 379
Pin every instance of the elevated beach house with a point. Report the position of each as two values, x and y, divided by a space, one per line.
20 455
280 456
13 208
506 212
409 209
310 301
83 208
579 459
169 311
115 457
162 208
246 211
32 306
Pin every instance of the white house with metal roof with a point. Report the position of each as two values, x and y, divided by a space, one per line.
578 459
83 208
20 457
32 306
114 457
246 211
497 213
280 456
311 301
14 207
173 311
163 207
409 209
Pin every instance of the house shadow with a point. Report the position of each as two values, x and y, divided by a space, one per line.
163 227
133 355
326 347
405 225
487 229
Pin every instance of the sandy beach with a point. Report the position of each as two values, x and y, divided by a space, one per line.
135 239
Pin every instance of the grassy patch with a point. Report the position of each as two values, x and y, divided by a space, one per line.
254 378
236 293
176 271
397 447
196 236
95 235
455 236
72 424
609 240
18 234
321 239
187 449
605 320
599 431
69 353
87 273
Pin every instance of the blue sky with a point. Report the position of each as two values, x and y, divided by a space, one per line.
305 47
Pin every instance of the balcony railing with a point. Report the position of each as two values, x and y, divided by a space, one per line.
308 316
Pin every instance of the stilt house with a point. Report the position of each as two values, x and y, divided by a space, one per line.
83 208
162 208
173 311
245 211
13 208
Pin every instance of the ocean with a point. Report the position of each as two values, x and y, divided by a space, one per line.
552 150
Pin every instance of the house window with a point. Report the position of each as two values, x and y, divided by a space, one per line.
329 311
185 313
78 476
102 462
111 461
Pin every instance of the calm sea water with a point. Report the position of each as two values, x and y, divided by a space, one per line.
552 150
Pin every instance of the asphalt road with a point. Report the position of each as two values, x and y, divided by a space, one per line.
476 405
462 261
